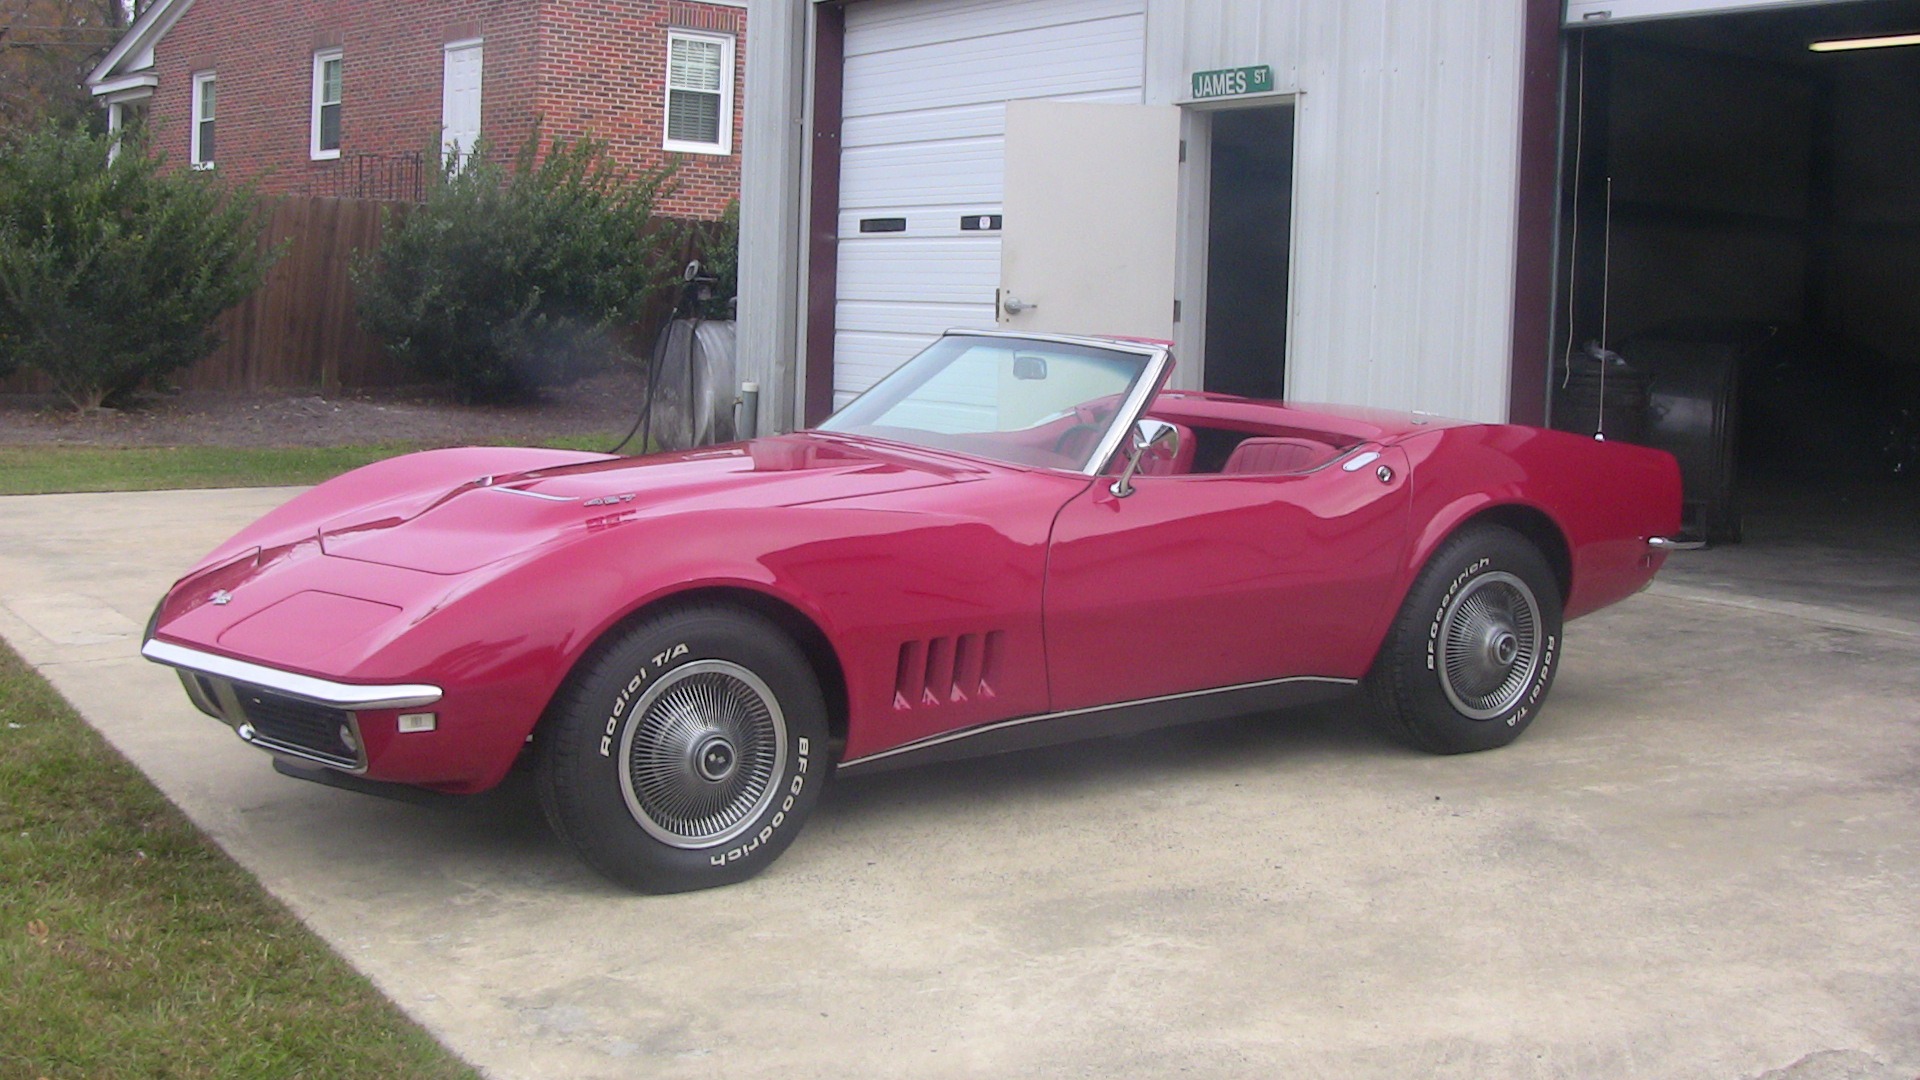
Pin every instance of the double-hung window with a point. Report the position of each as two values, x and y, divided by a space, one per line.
200 139
699 92
327 65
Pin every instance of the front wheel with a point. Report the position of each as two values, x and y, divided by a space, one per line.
1472 653
686 752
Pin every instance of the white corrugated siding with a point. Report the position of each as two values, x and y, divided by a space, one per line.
925 92
1405 174
1405 183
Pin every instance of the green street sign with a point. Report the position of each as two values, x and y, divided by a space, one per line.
1232 82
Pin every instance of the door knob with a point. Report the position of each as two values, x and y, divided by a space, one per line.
1015 305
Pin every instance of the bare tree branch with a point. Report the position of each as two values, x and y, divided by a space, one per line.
47 47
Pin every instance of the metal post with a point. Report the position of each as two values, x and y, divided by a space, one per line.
748 425
771 198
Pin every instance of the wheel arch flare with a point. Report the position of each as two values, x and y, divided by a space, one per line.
802 628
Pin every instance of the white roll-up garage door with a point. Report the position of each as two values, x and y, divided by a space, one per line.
924 113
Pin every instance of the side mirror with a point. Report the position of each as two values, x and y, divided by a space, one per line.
1150 437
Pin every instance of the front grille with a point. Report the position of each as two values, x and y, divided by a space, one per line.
278 722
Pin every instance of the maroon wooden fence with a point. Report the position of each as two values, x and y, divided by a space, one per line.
300 328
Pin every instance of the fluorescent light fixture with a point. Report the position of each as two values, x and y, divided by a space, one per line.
1845 44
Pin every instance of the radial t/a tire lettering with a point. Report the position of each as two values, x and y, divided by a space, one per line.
686 751
1472 653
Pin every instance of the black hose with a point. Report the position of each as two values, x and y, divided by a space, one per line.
691 294
653 378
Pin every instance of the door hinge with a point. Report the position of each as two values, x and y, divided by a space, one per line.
1183 151
1176 311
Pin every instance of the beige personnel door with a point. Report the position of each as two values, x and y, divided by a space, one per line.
1087 245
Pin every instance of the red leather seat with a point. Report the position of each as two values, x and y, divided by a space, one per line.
1276 454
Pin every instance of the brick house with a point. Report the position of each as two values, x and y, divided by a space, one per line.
345 97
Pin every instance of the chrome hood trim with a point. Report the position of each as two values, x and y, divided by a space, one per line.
343 696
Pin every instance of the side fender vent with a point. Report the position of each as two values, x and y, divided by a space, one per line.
947 670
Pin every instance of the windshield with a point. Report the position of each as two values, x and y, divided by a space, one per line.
1018 400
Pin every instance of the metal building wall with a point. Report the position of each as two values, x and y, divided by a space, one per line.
1405 183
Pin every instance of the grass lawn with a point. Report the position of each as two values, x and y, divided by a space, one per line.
133 947
40 470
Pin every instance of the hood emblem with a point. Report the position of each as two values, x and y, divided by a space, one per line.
221 598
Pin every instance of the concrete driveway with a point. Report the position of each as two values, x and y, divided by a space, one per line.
1703 861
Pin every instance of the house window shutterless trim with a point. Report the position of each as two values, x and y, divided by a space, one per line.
699 102
328 68
200 138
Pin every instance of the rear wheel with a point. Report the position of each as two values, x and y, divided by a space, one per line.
686 752
1472 653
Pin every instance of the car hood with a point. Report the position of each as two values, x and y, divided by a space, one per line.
459 528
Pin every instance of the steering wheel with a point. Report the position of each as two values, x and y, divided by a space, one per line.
1090 422
1077 441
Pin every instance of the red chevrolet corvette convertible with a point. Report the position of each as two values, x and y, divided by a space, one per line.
1012 540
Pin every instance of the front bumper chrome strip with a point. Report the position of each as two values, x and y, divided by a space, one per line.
305 687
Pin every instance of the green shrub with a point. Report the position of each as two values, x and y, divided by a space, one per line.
505 281
718 249
111 274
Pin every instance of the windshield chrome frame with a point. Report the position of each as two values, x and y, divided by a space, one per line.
1159 362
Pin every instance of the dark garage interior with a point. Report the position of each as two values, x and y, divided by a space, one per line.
1740 267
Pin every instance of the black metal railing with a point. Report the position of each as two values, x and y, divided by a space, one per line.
398 177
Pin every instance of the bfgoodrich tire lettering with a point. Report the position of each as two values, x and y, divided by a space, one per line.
1471 656
686 751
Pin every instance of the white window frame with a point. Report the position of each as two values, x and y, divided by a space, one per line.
196 157
321 57
725 145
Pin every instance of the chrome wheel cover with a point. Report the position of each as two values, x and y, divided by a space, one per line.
1488 646
702 754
